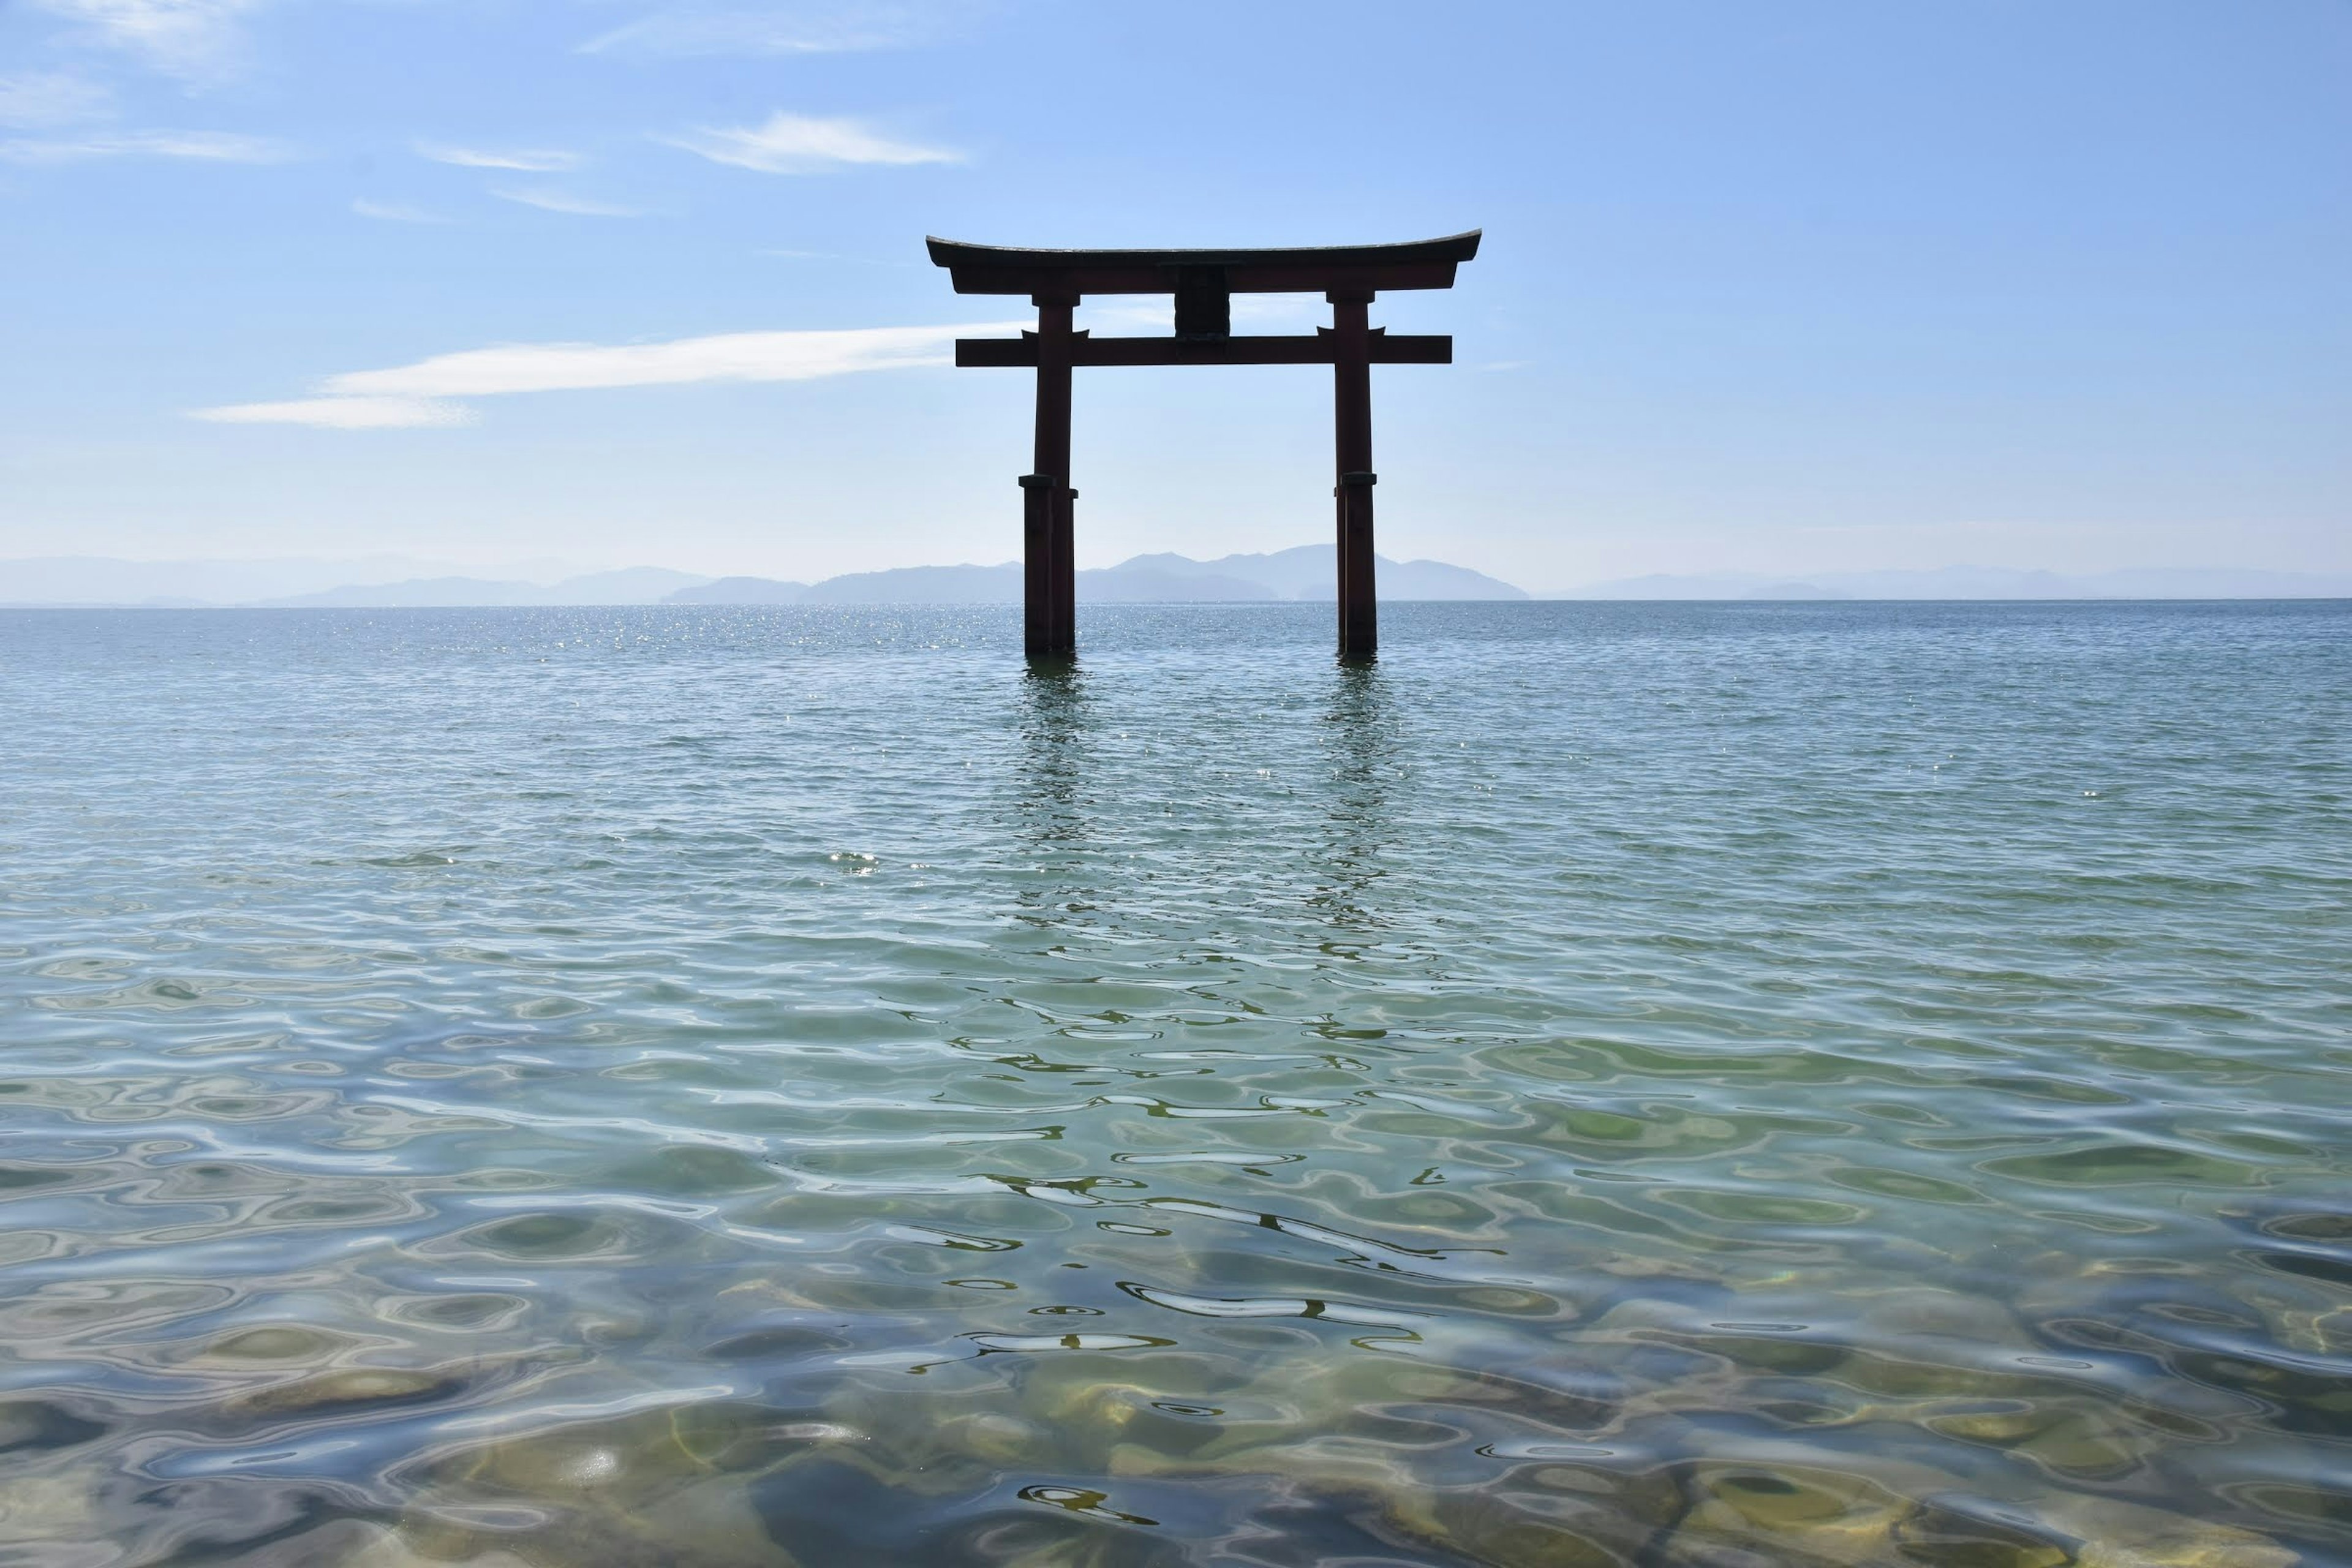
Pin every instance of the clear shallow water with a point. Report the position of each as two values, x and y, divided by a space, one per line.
1710 1086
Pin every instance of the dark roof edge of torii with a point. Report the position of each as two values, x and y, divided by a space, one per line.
1010 269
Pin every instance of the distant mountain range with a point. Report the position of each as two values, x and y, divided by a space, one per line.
1982 582
1304 573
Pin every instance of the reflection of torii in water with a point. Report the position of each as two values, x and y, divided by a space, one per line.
1204 282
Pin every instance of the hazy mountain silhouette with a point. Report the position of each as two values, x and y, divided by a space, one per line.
921 586
1306 572
740 591
1310 572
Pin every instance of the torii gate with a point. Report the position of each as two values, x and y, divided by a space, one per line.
1204 282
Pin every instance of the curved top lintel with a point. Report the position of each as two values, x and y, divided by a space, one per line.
1056 274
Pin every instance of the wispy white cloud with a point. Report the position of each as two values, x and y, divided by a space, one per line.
565 202
184 37
423 393
726 356
345 412
209 146
797 27
395 212
537 160
805 144
51 98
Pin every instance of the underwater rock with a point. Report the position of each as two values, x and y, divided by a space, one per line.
1960 1530
845 1510
1919 1312
2088 1443
1092 1412
2118 1535
1152 1402
347 1388
277 1341
995 1438
29 1424
692 1170
2073 1530
1892 1376
1793 1517
549 1237
374 1546
49 1509
1499 1529
1327 1492
2076 1435
782 1343
651 1490
2009 1422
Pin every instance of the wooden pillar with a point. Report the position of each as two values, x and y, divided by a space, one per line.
1049 581
1351 403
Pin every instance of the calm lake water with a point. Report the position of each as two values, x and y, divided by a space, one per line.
1665 1085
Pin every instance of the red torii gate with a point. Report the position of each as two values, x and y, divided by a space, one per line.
1204 282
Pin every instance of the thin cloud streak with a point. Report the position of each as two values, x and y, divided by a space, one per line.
206 146
181 37
533 161
420 395
563 201
51 98
805 144
843 28
345 414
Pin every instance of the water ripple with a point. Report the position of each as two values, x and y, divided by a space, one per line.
1631 1085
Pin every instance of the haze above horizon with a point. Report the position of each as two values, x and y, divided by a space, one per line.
1827 288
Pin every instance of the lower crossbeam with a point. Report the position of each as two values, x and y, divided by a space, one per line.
1013 353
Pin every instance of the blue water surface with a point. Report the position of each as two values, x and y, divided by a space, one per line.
1675 1086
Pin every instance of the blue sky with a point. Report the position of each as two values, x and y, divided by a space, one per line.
1788 287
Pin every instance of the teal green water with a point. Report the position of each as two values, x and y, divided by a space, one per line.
1674 1087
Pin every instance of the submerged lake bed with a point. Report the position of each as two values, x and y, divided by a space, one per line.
1685 1085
